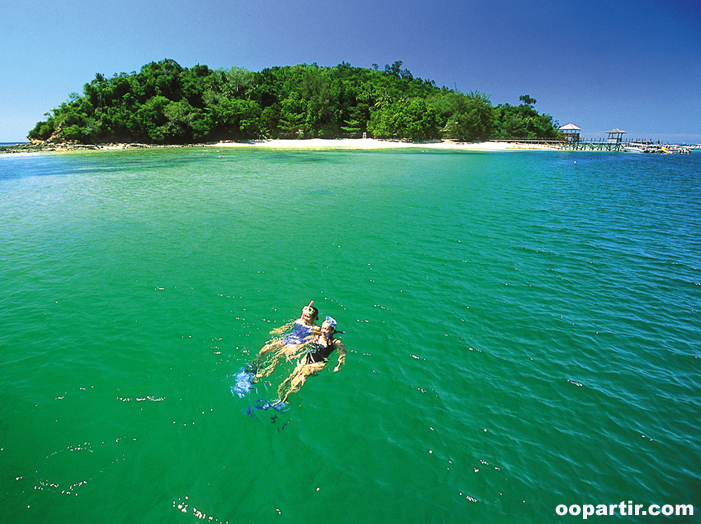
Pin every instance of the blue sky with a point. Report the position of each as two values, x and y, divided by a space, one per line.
635 65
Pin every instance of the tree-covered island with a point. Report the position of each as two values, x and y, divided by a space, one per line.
166 103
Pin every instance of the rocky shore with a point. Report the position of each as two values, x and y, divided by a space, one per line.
38 147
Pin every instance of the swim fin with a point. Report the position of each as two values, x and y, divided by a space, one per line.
244 383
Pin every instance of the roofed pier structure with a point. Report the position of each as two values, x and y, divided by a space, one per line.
572 141
615 136
571 133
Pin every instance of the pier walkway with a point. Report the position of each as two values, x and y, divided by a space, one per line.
593 144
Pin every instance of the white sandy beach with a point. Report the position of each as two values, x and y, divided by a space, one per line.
320 143
372 143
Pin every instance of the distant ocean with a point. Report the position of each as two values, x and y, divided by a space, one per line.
524 334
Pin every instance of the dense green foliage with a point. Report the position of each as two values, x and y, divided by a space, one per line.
167 103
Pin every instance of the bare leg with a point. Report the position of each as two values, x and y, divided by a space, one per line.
270 346
266 367
296 380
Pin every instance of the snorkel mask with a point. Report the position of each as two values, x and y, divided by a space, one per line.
332 322
311 310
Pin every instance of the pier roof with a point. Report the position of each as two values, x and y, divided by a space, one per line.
570 126
616 131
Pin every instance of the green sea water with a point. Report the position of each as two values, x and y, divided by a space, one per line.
523 331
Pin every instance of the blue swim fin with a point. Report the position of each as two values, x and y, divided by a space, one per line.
244 383
277 405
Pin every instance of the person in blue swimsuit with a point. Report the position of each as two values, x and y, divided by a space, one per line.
318 351
291 338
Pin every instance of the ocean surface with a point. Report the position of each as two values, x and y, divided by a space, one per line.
523 332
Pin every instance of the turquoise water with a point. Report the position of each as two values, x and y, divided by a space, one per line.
523 332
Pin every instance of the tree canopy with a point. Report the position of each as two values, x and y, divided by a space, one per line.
165 103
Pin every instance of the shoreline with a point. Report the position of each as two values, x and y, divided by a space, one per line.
310 143
373 143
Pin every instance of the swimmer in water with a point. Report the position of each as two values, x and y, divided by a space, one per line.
291 344
318 351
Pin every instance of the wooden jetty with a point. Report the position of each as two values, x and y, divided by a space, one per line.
593 144
598 144
571 141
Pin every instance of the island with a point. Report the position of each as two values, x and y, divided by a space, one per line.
167 104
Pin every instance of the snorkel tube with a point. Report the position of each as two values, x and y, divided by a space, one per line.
311 310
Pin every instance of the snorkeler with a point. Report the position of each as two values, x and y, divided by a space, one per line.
288 346
318 351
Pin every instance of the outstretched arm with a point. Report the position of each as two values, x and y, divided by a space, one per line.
341 355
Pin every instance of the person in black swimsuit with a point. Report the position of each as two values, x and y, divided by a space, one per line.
318 351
